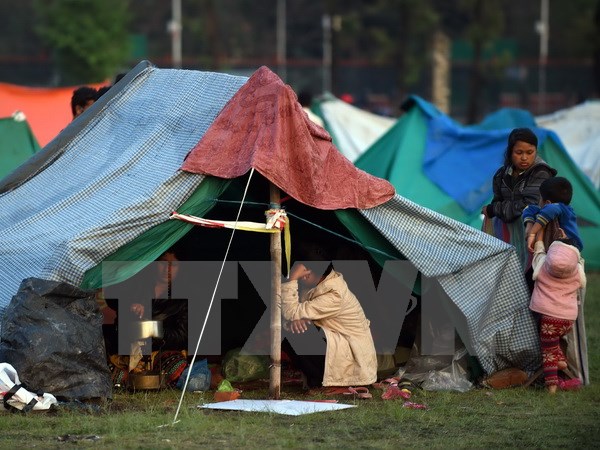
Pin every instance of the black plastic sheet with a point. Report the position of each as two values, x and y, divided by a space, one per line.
52 335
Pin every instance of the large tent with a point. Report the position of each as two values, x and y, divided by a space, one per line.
17 143
442 165
164 140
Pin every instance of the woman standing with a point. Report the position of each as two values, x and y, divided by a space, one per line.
516 184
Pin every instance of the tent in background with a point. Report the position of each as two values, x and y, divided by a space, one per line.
439 164
579 131
119 167
48 110
17 143
353 129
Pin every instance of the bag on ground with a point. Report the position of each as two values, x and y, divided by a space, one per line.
52 335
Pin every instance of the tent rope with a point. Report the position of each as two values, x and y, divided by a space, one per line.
341 236
187 378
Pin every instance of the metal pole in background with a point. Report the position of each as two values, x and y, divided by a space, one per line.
440 76
543 28
174 27
281 40
327 52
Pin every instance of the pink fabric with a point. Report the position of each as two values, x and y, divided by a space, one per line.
556 285
263 126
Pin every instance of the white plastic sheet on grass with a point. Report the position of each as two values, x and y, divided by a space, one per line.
288 407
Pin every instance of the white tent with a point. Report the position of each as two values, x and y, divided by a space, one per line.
579 130
353 129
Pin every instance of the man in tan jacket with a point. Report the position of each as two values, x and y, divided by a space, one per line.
350 358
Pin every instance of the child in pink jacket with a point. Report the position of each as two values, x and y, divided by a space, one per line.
558 276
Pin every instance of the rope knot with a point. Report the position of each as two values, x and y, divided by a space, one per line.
276 218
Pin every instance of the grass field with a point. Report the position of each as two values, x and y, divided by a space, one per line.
480 418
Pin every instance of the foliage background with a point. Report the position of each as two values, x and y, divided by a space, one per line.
89 43
381 48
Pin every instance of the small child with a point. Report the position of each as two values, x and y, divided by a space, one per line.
558 276
556 194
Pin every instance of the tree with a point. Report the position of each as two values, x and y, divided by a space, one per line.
89 37
389 32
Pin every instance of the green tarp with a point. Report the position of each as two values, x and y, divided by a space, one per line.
150 245
17 144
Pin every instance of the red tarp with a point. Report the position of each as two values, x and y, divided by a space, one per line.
263 126
48 110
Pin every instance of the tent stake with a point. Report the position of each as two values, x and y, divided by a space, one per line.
275 247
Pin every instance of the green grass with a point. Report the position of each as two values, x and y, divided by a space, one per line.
481 418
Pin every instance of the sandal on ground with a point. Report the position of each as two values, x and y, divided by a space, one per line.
359 392
394 391
384 384
571 384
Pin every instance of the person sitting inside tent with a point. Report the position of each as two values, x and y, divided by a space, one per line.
152 287
325 300
154 283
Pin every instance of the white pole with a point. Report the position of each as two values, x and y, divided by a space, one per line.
281 40
544 30
174 27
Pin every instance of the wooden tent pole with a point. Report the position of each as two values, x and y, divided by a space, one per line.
275 372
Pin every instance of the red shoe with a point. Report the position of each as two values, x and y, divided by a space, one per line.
572 384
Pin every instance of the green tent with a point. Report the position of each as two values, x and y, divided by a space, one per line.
399 155
17 143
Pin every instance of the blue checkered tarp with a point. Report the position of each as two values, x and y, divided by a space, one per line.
116 178
478 273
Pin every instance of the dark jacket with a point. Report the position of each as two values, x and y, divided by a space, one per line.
512 195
